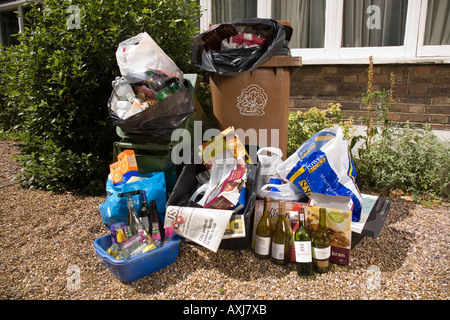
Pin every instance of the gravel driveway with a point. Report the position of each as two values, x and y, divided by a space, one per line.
48 238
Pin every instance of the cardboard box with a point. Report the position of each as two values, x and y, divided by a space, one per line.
290 207
339 223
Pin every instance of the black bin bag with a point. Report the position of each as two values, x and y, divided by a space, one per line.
158 120
209 54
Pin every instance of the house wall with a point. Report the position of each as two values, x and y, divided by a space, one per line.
422 91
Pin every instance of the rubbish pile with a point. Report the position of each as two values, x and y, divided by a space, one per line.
303 209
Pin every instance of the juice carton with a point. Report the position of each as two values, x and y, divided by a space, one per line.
116 173
128 165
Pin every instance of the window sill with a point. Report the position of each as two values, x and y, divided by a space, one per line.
365 60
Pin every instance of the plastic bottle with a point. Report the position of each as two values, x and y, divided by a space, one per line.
126 94
123 89
160 88
113 250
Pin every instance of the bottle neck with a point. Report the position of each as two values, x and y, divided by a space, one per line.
322 218
301 219
143 197
266 207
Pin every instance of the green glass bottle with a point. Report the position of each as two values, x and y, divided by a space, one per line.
303 251
280 240
321 243
263 233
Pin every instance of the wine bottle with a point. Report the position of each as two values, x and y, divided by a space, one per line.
156 225
264 233
303 254
144 212
280 238
321 243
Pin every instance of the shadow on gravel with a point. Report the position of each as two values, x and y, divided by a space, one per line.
388 252
390 249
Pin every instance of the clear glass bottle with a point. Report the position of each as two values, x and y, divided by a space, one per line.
303 249
321 244
264 233
132 223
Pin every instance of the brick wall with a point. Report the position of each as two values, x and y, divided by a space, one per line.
422 91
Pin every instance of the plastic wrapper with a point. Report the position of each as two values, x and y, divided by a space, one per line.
220 50
324 165
158 120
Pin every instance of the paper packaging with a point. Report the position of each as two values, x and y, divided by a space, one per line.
339 223
128 165
200 225
226 144
227 193
290 207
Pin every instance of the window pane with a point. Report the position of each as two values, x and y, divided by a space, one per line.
9 25
374 23
437 30
307 18
229 10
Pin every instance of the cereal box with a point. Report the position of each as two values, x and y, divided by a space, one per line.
339 219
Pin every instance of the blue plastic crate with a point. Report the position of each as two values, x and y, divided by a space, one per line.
137 267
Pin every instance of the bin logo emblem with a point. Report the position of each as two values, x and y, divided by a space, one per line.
252 101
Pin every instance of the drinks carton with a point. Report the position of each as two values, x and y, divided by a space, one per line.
128 165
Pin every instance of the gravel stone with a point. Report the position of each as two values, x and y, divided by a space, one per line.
47 236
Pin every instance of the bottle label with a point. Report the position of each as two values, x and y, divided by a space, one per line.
155 231
262 245
322 253
277 251
303 252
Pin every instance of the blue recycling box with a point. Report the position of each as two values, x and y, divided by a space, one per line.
137 267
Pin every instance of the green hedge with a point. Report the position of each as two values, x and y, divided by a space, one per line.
56 83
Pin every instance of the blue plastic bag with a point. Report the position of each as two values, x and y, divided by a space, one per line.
115 208
323 164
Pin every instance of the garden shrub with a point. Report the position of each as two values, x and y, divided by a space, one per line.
57 81
303 125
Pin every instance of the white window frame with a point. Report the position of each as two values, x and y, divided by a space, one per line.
412 51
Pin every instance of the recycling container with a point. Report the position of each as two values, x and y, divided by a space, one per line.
132 269
257 102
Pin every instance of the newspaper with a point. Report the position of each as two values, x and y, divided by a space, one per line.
200 225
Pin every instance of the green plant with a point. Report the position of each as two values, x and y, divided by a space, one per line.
56 83
410 159
394 157
303 125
